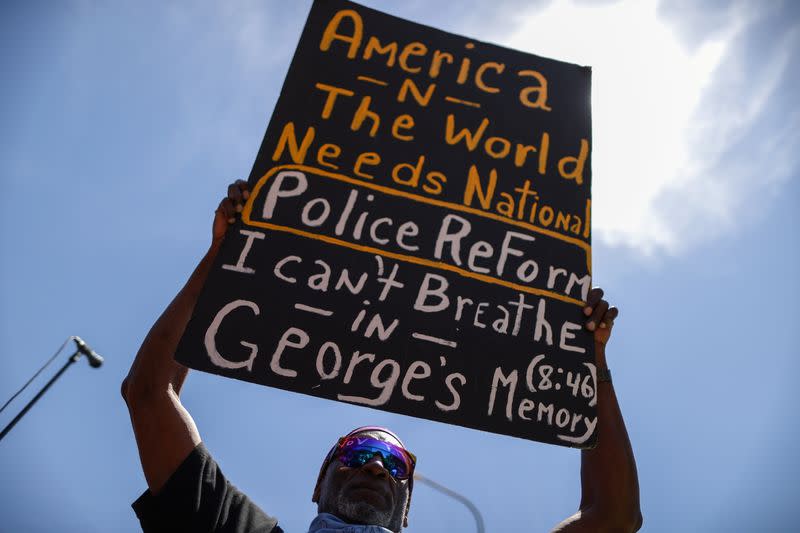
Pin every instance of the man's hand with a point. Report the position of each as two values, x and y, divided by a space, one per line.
600 316
165 431
609 483
229 209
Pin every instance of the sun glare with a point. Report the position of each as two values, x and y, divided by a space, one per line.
645 89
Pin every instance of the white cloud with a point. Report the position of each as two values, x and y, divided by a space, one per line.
650 150
666 116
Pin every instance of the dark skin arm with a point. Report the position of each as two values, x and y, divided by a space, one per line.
609 483
164 429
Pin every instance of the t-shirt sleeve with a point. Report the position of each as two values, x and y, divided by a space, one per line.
199 498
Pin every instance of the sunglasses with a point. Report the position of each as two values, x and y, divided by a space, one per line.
358 450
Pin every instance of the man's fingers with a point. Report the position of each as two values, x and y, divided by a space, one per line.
235 196
244 191
598 313
238 193
608 319
244 187
595 295
228 210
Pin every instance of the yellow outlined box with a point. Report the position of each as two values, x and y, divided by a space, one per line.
248 208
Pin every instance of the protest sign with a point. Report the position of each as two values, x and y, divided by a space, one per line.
418 237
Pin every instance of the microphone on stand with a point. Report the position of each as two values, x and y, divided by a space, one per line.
95 360
83 349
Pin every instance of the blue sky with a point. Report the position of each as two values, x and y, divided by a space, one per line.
122 125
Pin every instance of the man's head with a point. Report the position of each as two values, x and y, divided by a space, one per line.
367 478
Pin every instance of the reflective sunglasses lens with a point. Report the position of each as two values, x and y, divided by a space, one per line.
356 452
355 458
395 466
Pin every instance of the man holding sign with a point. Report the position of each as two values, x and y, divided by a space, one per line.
367 477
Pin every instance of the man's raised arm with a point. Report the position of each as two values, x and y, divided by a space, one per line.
609 483
164 429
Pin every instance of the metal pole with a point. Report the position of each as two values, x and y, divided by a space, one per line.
25 409
453 494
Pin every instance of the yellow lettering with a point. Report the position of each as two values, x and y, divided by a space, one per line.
470 139
521 153
331 34
365 158
474 187
543 152
405 122
522 150
506 208
436 62
374 45
287 138
562 220
362 113
587 221
416 172
497 67
434 181
463 71
328 150
576 225
409 86
505 147
579 162
540 91
411 49
546 215
532 213
333 92
524 192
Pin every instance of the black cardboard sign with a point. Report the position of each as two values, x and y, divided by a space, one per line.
417 239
